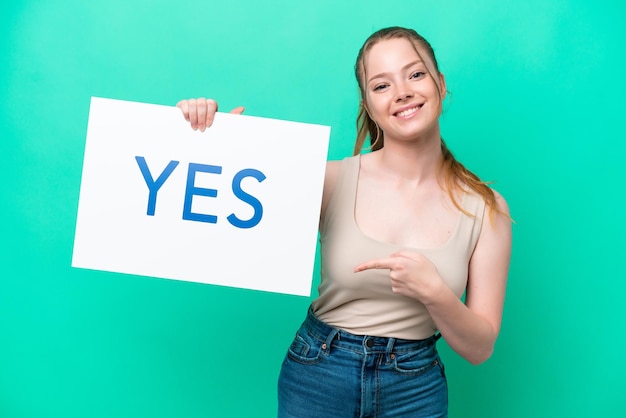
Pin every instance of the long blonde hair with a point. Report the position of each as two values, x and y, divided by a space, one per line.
454 173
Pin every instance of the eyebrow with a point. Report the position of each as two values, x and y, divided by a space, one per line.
381 75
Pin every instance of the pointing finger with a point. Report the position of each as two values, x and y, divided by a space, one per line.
377 264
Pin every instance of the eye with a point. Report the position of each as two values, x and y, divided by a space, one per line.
417 74
380 87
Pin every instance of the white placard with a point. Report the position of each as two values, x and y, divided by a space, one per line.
237 205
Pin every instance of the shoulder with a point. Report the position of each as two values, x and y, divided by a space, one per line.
333 168
491 210
484 197
501 204
500 207
496 225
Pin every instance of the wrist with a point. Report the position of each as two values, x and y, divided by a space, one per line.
435 293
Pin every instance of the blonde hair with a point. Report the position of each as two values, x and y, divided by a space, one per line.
454 173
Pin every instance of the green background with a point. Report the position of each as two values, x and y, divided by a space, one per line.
537 107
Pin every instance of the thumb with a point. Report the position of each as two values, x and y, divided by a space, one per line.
238 110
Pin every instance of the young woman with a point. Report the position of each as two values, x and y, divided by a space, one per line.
405 230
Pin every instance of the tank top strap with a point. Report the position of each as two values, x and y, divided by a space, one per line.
341 203
470 227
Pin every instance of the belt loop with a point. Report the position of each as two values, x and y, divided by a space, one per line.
389 356
390 342
329 339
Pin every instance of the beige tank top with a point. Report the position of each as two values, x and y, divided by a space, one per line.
363 303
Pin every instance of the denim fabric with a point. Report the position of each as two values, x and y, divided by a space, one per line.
328 372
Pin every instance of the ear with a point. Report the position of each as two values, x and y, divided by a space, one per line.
442 86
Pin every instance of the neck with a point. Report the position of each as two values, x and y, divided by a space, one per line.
414 161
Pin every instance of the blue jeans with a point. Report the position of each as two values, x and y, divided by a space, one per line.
328 372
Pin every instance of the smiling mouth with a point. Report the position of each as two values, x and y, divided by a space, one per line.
408 112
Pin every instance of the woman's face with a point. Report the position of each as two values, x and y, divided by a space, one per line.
400 94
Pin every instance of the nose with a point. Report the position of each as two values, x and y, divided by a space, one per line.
403 93
403 97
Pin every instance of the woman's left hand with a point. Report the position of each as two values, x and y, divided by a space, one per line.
410 273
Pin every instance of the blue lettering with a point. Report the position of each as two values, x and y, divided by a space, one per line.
192 191
251 200
154 186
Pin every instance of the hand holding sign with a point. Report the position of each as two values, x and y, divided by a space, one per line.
201 112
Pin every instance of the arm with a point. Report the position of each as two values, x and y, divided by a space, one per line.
472 329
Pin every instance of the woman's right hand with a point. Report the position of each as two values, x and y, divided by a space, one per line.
201 112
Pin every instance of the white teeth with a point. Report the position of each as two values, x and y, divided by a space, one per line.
408 111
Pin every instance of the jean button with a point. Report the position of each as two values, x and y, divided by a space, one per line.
369 343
